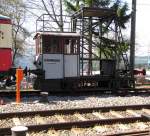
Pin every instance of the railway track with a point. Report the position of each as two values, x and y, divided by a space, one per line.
24 93
122 92
81 118
132 133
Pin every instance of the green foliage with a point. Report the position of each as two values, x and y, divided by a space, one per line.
71 7
101 3
122 17
88 3
107 45
74 5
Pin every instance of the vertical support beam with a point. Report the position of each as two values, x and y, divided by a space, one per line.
90 47
100 47
82 40
71 24
43 22
78 57
61 16
116 57
132 44
74 24
36 26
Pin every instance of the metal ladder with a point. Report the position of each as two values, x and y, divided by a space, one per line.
126 61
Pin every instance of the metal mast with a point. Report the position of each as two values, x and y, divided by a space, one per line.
132 44
61 16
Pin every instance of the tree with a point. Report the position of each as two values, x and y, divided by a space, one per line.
120 20
53 8
74 5
99 37
15 9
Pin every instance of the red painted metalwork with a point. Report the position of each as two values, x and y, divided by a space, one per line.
5 21
139 72
5 59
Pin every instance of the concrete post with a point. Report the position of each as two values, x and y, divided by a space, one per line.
19 131
132 45
44 97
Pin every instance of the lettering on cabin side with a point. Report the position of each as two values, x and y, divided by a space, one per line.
51 60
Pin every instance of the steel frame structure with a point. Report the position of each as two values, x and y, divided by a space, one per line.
89 22
46 23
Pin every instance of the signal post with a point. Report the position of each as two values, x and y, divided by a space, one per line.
19 77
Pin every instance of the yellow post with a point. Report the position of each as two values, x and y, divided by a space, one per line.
19 77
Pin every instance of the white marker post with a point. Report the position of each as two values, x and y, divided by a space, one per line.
19 131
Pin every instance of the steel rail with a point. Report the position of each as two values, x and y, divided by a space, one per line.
84 91
80 124
132 133
12 93
75 110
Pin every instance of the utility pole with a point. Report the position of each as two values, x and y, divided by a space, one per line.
132 44
61 16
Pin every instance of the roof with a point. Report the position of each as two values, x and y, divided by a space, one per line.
65 34
4 17
95 12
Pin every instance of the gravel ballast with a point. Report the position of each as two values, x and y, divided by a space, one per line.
67 102
93 131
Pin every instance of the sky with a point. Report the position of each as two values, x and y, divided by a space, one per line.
142 27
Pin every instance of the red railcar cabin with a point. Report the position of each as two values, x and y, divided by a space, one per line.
5 44
5 59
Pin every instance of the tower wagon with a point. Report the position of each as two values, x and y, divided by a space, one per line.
66 61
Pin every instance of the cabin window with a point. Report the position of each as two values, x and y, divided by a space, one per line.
70 46
51 45
38 46
54 45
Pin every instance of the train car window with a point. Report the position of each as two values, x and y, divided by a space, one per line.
51 45
70 46
54 47
38 46
74 46
67 46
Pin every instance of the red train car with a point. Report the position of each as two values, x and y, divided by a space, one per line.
5 45
5 59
